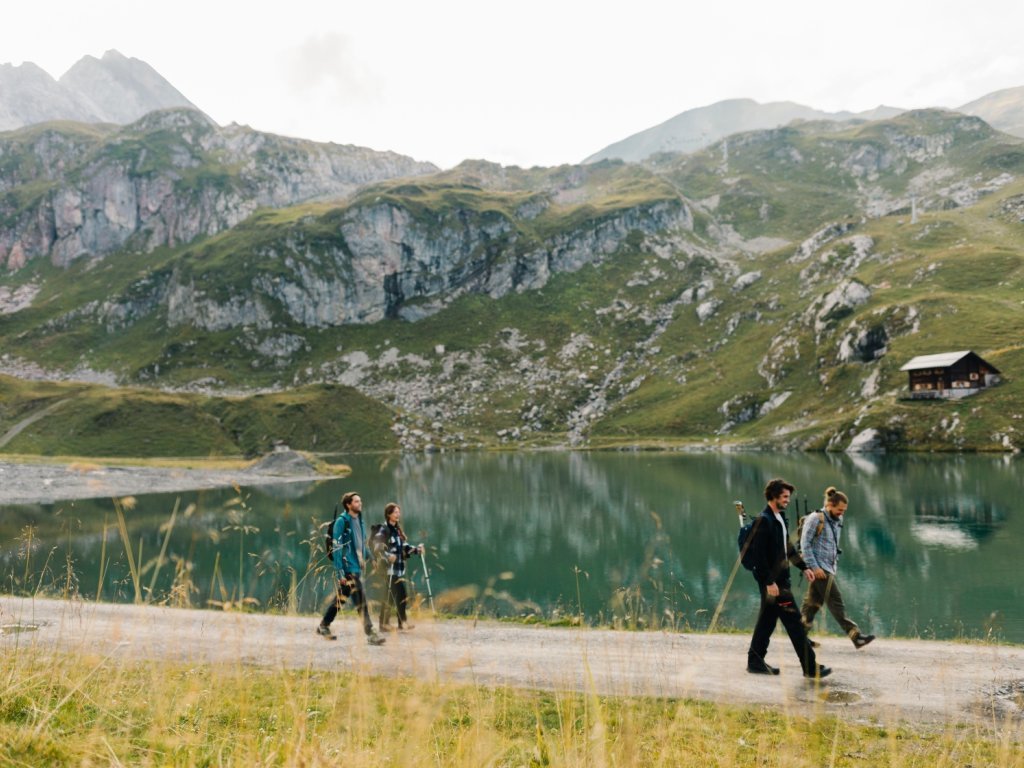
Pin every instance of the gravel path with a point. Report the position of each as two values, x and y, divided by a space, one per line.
891 681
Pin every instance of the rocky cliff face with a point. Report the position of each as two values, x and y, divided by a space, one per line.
164 180
387 263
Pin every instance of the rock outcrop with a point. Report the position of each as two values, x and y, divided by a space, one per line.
165 180
382 261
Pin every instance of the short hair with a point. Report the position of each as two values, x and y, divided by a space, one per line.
832 496
346 500
775 487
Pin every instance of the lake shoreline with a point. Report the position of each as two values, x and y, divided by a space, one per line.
27 482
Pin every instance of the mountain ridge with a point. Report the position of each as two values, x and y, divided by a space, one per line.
765 295
697 128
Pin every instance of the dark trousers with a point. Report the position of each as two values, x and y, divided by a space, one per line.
773 610
350 587
396 598
826 592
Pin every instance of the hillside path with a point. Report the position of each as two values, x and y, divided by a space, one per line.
890 681
14 431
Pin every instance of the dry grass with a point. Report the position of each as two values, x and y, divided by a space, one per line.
96 711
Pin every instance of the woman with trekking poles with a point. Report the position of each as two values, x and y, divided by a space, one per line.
395 550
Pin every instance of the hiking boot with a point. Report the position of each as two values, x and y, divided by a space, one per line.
325 632
814 643
387 628
861 640
405 627
374 639
761 668
819 673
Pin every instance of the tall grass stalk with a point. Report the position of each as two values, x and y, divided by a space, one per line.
163 550
103 560
122 525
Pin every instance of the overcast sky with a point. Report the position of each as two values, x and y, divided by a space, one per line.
529 82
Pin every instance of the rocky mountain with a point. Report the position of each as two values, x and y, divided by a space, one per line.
1001 109
113 89
30 95
69 191
763 290
121 89
695 129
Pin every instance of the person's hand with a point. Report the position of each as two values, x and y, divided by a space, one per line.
819 573
773 590
392 558
809 575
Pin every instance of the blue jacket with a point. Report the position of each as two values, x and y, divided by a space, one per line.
347 555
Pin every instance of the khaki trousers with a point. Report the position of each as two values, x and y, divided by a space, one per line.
826 592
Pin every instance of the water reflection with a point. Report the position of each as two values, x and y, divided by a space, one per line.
637 538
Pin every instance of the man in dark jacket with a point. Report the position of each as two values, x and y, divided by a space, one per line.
772 552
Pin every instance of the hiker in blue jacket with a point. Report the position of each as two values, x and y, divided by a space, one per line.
350 553
819 542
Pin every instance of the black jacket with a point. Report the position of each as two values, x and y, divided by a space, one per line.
770 565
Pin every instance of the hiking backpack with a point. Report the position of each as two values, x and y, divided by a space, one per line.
329 538
800 528
378 538
745 541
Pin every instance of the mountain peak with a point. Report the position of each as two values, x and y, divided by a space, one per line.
112 89
122 89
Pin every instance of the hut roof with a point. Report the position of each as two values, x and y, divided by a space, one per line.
943 360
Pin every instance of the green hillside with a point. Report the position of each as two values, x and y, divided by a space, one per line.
91 420
718 330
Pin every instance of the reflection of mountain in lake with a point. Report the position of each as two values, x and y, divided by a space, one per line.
960 522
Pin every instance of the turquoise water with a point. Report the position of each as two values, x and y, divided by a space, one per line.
636 539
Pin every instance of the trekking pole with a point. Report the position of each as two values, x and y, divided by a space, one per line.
741 513
426 577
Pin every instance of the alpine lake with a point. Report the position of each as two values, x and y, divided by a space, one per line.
639 540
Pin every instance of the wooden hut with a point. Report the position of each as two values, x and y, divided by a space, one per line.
949 375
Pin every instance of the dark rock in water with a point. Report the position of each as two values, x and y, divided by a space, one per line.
287 463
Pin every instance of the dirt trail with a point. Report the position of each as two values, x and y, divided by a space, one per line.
892 680
28 421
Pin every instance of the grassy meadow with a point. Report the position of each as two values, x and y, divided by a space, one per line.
93 710
98 421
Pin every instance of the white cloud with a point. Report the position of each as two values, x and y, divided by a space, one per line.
326 63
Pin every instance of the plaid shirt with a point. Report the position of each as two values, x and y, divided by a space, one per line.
821 550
